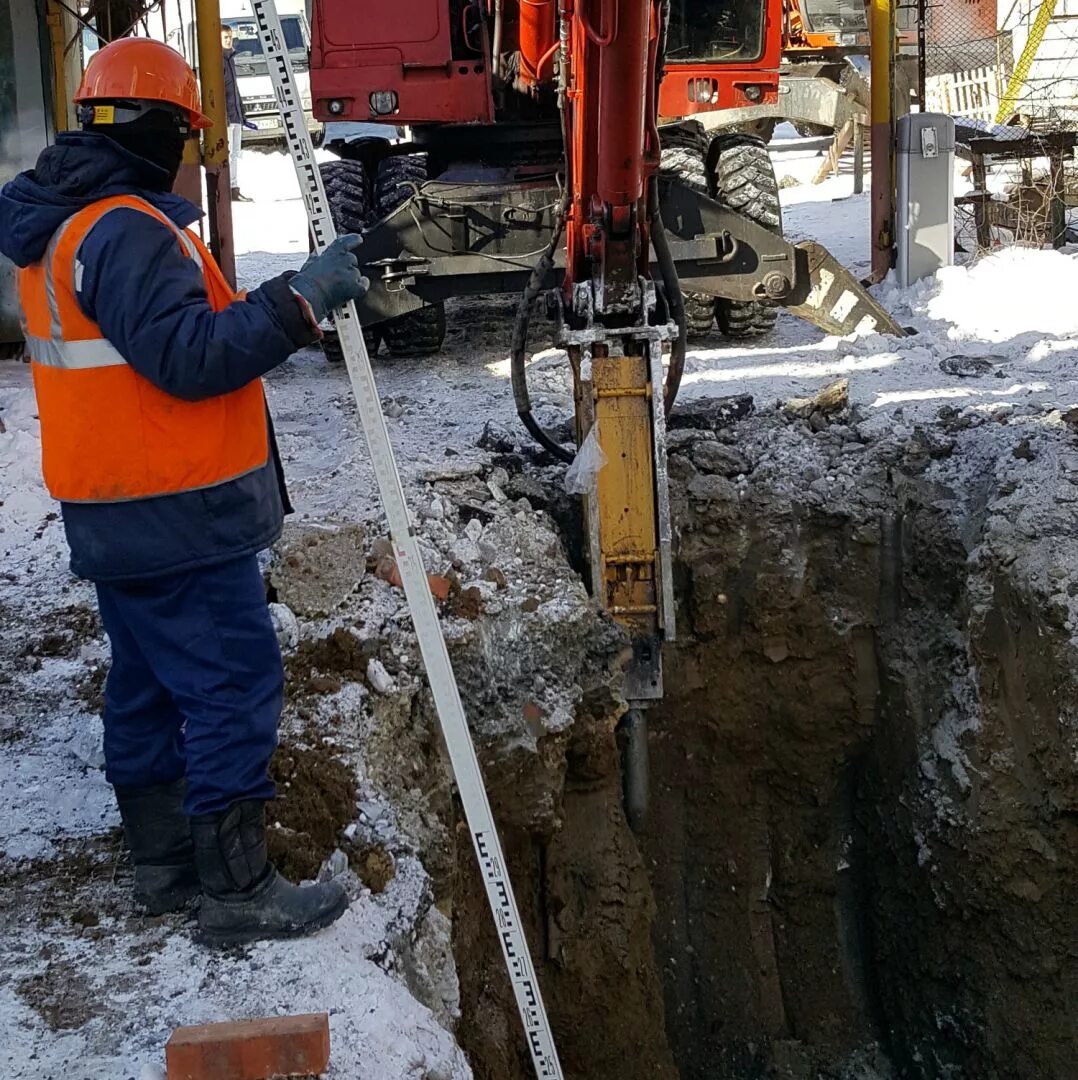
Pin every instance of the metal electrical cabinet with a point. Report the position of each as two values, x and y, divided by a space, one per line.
925 215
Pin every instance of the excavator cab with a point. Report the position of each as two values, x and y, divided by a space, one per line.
716 31
721 55
826 26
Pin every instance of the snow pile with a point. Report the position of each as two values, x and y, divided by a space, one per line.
21 491
130 984
270 176
1016 291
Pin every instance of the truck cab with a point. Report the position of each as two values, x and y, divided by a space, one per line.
253 78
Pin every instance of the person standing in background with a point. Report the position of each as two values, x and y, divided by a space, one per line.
237 119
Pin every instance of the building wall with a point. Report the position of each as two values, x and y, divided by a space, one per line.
956 22
1051 89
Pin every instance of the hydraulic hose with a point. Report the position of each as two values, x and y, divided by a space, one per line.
520 342
674 299
540 271
496 47
659 240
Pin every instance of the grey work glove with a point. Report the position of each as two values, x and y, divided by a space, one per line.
330 280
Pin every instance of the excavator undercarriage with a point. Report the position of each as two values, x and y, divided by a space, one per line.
482 233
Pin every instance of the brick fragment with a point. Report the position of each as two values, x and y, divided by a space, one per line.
440 586
386 568
250 1049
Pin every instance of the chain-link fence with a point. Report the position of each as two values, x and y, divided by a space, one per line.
966 59
1010 62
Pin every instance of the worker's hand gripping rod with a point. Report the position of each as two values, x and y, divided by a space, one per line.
443 685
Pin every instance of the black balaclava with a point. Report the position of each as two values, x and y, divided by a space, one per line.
156 136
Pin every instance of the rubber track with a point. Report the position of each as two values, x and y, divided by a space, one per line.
419 333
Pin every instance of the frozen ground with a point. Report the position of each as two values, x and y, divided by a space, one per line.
96 996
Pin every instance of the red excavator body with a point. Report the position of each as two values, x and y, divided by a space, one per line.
734 67
537 162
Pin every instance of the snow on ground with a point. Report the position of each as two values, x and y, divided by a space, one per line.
1000 335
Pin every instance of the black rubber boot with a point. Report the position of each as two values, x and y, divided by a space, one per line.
243 897
158 835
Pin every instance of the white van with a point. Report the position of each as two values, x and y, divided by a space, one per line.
253 78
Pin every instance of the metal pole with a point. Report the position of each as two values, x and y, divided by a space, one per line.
635 768
211 74
882 44
858 158
922 53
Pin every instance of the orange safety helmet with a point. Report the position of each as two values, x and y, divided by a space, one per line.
142 69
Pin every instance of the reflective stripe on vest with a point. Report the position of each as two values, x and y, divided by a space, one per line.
73 354
107 433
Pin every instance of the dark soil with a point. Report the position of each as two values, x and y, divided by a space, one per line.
339 653
68 889
90 688
69 629
316 799
61 995
862 835
587 907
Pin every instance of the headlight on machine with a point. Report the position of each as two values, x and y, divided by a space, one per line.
384 102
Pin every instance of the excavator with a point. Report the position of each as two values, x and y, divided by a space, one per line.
555 153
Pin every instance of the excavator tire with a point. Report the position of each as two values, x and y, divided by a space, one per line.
688 164
348 192
744 180
419 333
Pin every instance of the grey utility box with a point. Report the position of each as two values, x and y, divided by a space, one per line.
925 212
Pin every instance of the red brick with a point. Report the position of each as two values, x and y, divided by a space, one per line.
250 1049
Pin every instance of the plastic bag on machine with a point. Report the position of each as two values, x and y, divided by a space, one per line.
580 476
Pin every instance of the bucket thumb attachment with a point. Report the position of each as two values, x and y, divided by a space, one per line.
831 298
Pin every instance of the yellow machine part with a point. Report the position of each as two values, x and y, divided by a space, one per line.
625 496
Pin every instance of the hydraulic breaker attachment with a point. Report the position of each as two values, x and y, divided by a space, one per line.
618 379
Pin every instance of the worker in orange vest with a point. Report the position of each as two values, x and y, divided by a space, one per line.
156 439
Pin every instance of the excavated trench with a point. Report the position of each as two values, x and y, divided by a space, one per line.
861 855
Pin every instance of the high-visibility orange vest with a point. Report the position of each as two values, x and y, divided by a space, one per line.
107 433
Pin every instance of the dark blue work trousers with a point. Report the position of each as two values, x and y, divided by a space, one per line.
196 684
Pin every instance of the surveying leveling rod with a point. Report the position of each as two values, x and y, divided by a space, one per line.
443 685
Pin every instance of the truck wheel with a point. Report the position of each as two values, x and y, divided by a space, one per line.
688 163
745 181
419 333
348 192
